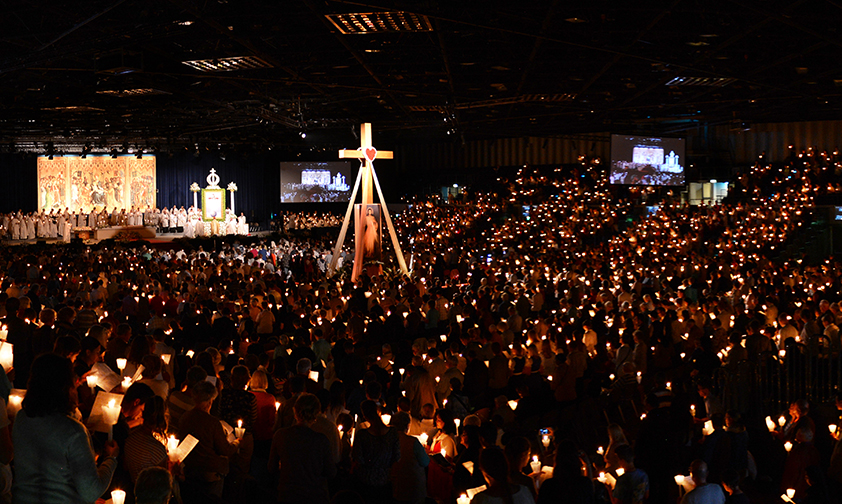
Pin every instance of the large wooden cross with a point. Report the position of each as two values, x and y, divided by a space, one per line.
368 179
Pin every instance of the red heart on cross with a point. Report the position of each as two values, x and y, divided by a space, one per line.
370 154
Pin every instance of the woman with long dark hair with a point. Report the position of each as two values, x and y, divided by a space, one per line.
495 469
59 464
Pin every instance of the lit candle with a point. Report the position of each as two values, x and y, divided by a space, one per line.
708 428
545 440
386 418
110 415
121 364
639 377
277 405
788 446
535 464
239 431
401 370
14 405
770 424
790 492
782 420
679 479
91 379
513 405
172 448
669 385
423 438
127 382
832 429
190 353
600 451
693 409
118 496
463 499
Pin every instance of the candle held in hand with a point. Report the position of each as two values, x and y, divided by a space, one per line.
172 448
535 465
110 415
239 432
118 496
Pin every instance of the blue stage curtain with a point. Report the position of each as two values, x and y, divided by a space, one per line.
19 189
257 177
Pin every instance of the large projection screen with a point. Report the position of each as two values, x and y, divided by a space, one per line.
639 160
316 182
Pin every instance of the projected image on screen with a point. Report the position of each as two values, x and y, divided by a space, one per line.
647 160
313 182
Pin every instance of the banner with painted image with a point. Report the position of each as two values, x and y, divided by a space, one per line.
96 183
369 231
213 204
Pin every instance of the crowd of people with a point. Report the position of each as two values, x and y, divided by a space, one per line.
310 220
550 345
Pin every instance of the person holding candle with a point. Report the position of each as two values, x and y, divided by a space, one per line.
632 487
439 474
518 452
266 412
152 367
376 449
409 481
798 417
302 458
143 447
59 464
181 400
236 404
802 455
703 492
208 464
19 335
568 483
6 452
499 490
616 439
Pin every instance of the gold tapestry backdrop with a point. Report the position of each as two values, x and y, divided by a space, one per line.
96 182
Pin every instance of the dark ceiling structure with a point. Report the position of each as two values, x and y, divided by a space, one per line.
106 75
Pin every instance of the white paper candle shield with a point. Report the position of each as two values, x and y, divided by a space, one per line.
7 355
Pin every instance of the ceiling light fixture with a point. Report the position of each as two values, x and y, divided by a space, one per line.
379 22
227 64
